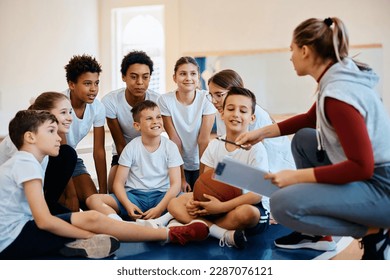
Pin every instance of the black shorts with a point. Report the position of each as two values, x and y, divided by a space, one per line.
115 160
33 242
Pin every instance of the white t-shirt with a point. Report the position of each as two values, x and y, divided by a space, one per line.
149 171
15 211
94 115
8 149
117 107
187 121
278 148
256 156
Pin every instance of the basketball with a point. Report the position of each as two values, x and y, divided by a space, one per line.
206 184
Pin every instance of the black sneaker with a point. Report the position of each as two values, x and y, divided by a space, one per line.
97 247
296 240
374 245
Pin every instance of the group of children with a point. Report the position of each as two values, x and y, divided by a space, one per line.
150 174
147 196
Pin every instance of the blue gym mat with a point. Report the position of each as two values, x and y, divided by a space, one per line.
260 247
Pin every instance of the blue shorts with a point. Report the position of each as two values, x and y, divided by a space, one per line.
80 168
263 222
143 199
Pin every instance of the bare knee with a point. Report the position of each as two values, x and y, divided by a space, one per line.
92 200
92 217
177 208
246 215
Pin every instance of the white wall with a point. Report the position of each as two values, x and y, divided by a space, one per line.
38 37
208 27
272 78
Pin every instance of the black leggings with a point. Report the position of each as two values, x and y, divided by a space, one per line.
58 173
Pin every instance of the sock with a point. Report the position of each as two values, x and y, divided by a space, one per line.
164 219
216 231
115 217
168 239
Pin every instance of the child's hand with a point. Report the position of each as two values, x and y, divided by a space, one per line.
185 187
192 208
134 212
210 207
152 213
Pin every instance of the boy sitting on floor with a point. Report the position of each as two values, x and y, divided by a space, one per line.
249 211
148 175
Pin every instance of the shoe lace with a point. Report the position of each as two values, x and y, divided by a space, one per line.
226 240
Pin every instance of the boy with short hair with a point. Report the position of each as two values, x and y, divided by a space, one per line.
28 230
82 75
148 175
136 70
247 213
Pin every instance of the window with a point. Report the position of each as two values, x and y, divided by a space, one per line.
139 28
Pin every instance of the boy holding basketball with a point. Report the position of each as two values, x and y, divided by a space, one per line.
249 211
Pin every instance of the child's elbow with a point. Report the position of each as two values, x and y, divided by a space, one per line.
44 224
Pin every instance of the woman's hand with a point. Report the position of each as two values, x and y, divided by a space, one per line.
250 138
283 178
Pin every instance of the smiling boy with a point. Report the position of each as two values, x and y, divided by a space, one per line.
148 175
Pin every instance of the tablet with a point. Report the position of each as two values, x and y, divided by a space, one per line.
243 176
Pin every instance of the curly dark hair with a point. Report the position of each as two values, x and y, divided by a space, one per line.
80 64
134 57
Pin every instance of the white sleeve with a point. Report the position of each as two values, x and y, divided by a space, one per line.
174 156
110 106
127 155
208 108
163 105
208 158
31 170
259 157
100 118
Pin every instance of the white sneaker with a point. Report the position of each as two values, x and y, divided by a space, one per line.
151 223
97 247
233 238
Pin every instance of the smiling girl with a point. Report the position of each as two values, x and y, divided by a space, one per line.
188 117
58 170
